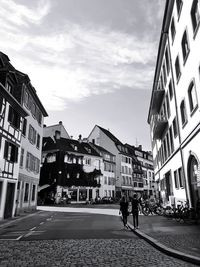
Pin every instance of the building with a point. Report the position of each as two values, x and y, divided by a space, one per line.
123 170
31 145
12 116
146 160
174 108
70 168
29 151
50 130
108 166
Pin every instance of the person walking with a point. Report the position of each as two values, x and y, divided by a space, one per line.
135 211
124 210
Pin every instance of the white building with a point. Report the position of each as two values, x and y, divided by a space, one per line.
123 171
108 179
174 109
31 146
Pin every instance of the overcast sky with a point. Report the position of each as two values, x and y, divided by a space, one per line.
90 61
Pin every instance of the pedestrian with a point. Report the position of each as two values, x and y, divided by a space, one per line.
135 211
124 210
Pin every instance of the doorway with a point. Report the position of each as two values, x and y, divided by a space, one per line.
9 200
194 182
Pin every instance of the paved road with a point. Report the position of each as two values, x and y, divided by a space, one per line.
76 239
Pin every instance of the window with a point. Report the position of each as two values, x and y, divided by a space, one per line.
180 176
26 98
179 4
195 14
10 152
9 88
26 192
192 97
171 139
177 68
38 141
14 118
164 74
175 130
185 46
135 184
176 179
167 60
170 90
183 112
173 29
33 192
87 161
22 157
168 106
32 135
24 127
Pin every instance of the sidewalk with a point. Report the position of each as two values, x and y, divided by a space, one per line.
176 239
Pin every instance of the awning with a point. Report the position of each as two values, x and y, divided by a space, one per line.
40 188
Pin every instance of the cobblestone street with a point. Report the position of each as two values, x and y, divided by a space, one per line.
92 252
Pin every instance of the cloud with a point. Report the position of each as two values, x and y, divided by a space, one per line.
75 61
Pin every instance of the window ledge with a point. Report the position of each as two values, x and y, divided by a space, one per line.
196 30
183 126
193 111
186 57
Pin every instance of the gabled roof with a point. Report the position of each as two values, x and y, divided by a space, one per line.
68 145
110 135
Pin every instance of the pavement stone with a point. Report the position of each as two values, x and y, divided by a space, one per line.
184 238
101 252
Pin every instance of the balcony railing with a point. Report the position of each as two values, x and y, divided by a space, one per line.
160 123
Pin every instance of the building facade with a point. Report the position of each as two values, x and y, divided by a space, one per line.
123 170
31 146
174 109
70 168
29 130
12 116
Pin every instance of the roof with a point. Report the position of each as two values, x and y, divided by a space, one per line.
21 77
111 136
68 145
101 149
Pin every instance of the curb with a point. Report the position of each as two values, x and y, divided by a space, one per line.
13 220
169 251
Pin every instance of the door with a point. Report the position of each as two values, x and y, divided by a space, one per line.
9 200
194 184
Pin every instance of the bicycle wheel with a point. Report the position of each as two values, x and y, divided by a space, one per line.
185 215
177 215
145 211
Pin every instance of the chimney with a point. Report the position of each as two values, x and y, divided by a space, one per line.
44 125
60 122
71 136
140 147
80 138
57 135
93 141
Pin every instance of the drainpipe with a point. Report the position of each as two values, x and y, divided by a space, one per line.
179 135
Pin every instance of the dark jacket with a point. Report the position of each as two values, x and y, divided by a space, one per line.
124 207
135 205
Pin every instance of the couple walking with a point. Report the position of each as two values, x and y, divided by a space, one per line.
134 210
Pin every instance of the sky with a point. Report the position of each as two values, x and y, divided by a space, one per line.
90 61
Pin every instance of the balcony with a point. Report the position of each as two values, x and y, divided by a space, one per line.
157 98
160 123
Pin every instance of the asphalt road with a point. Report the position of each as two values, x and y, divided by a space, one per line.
76 239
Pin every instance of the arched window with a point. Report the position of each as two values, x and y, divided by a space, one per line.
192 96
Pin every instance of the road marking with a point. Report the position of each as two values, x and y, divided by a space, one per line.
32 228
34 233
41 223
